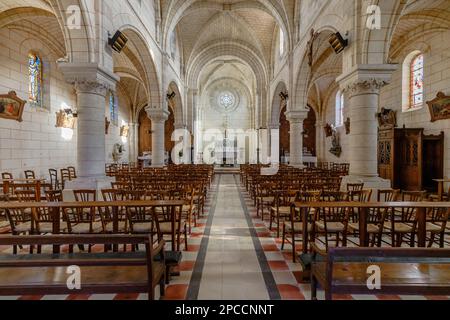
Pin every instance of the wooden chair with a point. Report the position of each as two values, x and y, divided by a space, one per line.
72 173
53 173
293 226
83 220
107 213
355 186
30 175
331 221
376 218
437 220
404 222
265 197
65 176
7 176
21 220
281 210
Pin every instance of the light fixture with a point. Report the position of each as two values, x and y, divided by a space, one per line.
118 41
337 42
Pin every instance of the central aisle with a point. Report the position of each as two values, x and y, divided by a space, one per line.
231 267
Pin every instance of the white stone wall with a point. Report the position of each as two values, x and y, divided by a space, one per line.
34 143
435 48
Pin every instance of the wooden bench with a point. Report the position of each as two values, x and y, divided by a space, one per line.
101 273
404 271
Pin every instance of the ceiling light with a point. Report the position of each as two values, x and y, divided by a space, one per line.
337 42
118 41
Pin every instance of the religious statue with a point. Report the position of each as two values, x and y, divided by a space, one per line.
118 151
310 46
336 145
328 130
347 126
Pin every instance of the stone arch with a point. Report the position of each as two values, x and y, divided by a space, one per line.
143 61
179 8
176 104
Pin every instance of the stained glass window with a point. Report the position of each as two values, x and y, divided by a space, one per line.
339 109
417 77
113 109
35 80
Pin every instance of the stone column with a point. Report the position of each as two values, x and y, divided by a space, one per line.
158 116
296 119
91 150
362 87
134 141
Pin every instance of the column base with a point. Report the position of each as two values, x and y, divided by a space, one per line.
87 183
298 166
374 183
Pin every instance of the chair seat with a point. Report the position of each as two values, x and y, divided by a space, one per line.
267 199
23 227
298 227
401 227
166 227
331 226
284 211
47 227
371 228
142 227
432 227
123 226
85 228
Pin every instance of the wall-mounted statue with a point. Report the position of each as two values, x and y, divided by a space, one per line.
107 124
328 130
336 148
347 126
65 120
387 118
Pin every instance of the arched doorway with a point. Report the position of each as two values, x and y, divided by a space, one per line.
285 146
169 128
145 133
309 135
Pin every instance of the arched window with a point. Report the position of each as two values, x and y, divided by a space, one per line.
413 82
35 80
340 109
416 94
173 45
113 109
281 43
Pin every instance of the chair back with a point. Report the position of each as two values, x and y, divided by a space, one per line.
85 195
29 174
7 176
54 178
72 173
355 186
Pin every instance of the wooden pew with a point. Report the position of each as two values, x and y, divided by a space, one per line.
404 271
45 274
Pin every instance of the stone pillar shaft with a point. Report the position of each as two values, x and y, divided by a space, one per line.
91 128
159 117
296 119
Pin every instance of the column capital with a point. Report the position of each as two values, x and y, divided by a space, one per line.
157 114
366 79
88 77
297 116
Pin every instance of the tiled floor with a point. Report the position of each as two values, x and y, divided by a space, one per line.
232 254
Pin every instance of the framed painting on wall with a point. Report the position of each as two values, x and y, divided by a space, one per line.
11 106
439 107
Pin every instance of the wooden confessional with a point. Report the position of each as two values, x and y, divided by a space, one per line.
410 159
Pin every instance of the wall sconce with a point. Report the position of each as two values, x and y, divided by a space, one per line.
337 42
118 41
65 120
172 95
124 131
